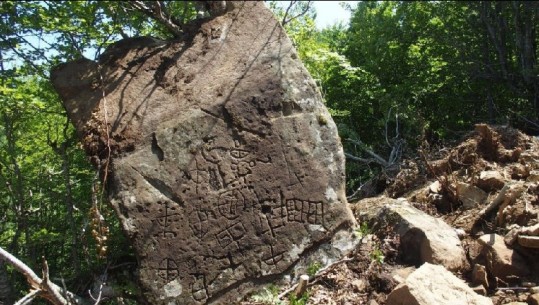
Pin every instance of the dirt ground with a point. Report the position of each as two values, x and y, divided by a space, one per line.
431 183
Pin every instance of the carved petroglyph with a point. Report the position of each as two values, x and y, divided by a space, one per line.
231 204
274 256
231 234
220 186
200 224
308 211
167 218
199 289
168 269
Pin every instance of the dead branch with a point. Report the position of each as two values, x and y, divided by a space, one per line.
43 288
315 278
376 158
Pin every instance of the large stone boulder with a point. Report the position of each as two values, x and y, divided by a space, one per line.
223 164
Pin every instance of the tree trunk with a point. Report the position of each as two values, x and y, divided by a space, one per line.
6 290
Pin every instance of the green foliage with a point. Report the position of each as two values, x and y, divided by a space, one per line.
377 255
268 296
363 230
313 268
410 71
301 300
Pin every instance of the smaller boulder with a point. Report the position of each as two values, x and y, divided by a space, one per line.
501 261
534 176
528 241
533 299
435 187
490 180
470 195
481 290
479 275
423 238
433 284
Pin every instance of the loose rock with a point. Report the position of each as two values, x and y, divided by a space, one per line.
533 299
501 261
470 195
490 180
528 241
423 238
479 275
433 284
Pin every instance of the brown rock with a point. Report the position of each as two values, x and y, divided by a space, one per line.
470 195
501 261
528 241
511 236
423 238
433 284
534 176
533 299
226 167
479 275
531 230
490 180
520 171
481 290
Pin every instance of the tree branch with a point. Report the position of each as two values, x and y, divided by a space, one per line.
41 287
305 10
158 13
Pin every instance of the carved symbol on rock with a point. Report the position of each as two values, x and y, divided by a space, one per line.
237 152
198 289
273 257
168 270
230 234
166 219
231 203
200 224
305 211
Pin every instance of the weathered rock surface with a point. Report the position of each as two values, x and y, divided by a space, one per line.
479 275
225 166
470 195
501 261
528 241
490 180
423 238
433 284
533 299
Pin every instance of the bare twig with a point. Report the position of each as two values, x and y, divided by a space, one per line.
27 299
285 21
316 277
376 157
157 12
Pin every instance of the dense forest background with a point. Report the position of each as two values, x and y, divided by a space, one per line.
401 76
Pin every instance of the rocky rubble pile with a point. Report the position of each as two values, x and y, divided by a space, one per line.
468 234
